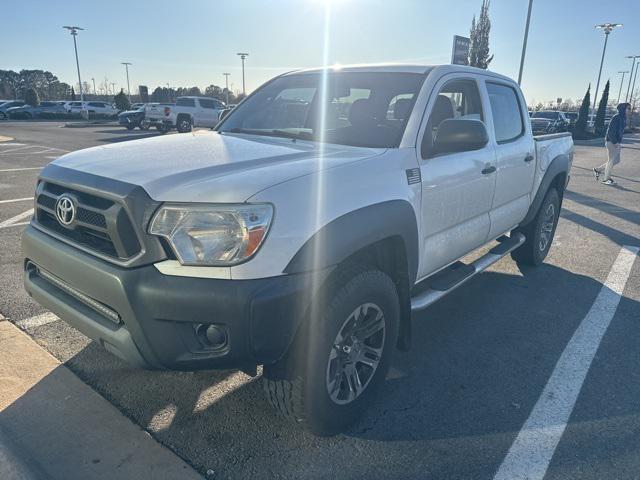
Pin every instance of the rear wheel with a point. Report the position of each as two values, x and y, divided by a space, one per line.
539 232
183 124
341 355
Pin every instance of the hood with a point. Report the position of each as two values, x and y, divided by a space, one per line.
207 166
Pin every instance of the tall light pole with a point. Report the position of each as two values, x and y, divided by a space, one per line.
623 72
94 85
113 87
633 64
243 56
74 32
608 28
524 42
126 67
633 87
226 81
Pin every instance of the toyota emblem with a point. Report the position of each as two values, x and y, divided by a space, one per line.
65 210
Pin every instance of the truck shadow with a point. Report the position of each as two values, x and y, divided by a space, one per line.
480 358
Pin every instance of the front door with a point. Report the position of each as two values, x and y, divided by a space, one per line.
457 188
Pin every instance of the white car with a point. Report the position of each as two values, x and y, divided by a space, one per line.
303 232
188 112
94 108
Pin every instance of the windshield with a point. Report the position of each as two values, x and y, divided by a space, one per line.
360 109
549 115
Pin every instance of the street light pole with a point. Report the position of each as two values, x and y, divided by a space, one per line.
226 81
94 85
126 67
634 86
608 28
524 42
243 56
623 72
113 87
633 64
74 32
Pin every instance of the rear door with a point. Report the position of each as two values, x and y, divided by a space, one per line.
515 156
457 188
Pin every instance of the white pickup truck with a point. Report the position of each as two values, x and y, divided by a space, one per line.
303 232
188 112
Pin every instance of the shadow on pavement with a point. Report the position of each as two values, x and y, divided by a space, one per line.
611 233
480 359
606 207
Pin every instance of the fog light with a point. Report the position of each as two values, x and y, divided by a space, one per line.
212 336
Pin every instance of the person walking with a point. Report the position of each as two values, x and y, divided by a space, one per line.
613 142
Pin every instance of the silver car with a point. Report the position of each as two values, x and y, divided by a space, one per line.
10 104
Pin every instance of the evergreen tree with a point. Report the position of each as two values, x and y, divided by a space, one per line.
602 111
121 101
479 38
580 128
31 97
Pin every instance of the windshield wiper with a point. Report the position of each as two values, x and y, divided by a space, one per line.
273 133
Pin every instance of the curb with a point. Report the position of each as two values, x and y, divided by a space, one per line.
90 124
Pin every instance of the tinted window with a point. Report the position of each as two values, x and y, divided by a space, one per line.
505 107
353 110
207 103
456 99
186 102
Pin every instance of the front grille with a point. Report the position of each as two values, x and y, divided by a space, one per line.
101 224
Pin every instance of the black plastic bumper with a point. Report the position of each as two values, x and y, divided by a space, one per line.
160 315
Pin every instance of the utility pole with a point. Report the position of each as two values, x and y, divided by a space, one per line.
524 42
226 81
113 87
243 56
623 72
608 28
126 67
633 64
633 87
74 32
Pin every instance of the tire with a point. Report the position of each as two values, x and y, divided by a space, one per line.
3 116
163 128
310 386
183 124
144 125
539 232
130 127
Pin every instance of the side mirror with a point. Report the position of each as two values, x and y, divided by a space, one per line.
223 114
460 135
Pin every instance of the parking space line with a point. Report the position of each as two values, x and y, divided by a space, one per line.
533 448
16 200
15 225
20 169
37 321
12 221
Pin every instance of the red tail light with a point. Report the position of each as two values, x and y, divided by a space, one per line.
167 110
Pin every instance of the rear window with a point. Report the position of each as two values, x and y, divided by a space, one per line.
185 102
208 103
505 107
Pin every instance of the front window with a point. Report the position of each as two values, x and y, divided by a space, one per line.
360 108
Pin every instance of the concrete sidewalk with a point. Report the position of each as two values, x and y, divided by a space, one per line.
54 426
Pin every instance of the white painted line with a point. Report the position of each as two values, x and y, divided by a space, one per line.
12 144
3 152
16 200
14 225
2 317
21 169
531 452
17 218
37 321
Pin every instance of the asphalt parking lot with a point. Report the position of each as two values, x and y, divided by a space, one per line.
508 349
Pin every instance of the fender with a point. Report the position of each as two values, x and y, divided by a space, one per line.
356 230
558 165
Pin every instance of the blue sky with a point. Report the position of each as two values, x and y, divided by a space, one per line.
193 42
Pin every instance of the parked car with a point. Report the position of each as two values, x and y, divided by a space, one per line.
541 126
225 111
45 109
559 122
572 117
7 105
302 246
135 117
94 108
188 112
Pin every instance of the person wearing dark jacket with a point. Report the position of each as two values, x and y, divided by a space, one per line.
613 142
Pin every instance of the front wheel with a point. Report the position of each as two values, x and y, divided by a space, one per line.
183 125
130 127
539 232
144 124
341 355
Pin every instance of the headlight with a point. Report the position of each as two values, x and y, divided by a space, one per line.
215 235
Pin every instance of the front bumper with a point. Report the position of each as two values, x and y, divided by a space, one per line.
160 315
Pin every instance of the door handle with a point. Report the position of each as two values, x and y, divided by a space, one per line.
528 158
488 170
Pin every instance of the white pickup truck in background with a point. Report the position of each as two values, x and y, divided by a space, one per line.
188 112
303 232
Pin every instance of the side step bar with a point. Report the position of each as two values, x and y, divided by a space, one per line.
458 273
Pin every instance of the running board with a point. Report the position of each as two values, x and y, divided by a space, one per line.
455 275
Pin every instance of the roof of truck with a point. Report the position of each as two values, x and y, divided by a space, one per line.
401 68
